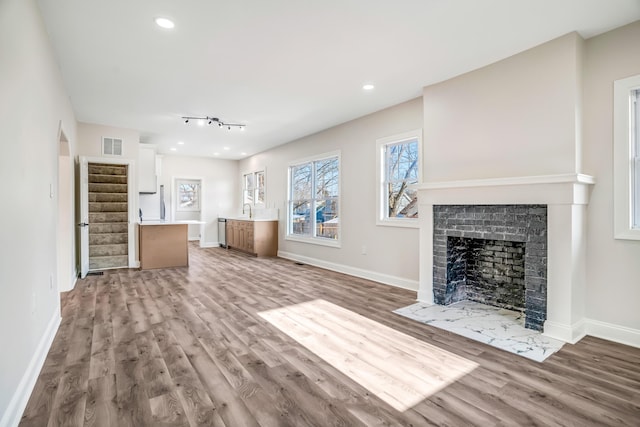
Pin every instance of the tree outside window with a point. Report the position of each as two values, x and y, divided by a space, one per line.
188 195
401 166
314 199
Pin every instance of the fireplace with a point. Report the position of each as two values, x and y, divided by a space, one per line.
493 254
543 215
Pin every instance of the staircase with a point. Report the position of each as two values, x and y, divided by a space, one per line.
108 216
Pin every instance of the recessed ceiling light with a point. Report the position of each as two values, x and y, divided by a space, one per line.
368 86
226 148
165 23
216 154
180 142
243 154
173 148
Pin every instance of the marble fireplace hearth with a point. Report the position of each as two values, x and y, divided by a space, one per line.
558 277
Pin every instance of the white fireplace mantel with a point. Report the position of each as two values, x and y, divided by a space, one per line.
566 197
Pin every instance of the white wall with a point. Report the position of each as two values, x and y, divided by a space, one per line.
66 216
32 106
613 272
90 145
516 117
392 252
548 110
90 141
219 184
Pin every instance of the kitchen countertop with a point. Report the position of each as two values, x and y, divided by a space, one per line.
246 218
159 222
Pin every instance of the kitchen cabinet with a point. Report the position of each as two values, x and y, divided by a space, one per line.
163 245
255 237
147 170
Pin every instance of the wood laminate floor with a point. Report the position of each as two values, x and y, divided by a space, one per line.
193 346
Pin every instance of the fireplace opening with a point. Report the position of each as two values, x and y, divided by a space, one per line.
486 271
492 254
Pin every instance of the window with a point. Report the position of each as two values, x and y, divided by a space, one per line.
626 157
635 158
253 188
314 200
188 195
399 160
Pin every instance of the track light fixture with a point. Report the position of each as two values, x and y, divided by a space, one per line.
212 120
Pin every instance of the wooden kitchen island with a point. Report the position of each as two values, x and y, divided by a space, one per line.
163 244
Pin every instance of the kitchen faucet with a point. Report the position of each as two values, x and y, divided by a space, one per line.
246 204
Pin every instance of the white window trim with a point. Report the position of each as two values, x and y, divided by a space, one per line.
176 189
321 241
254 171
622 159
381 218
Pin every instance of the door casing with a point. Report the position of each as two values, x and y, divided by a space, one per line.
83 201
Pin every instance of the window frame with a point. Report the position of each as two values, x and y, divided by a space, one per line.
313 239
381 193
179 182
626 162
256 188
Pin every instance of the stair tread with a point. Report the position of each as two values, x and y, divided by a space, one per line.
108 189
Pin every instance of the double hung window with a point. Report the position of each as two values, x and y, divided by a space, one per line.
253 185
626 157
635 159
314 200
399 159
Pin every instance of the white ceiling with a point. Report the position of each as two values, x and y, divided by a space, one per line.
285 68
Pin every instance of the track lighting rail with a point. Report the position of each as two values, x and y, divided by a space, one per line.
212 121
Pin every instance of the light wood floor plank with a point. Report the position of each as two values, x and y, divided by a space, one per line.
189 347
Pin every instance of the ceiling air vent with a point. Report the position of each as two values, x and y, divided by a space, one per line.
112 146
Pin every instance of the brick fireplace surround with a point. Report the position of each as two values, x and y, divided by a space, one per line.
493 254
562 198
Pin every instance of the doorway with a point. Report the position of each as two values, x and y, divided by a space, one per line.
108 216
107 226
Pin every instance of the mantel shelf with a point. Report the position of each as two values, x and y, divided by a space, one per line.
511 181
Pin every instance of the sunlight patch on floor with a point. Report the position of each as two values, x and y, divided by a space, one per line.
397 368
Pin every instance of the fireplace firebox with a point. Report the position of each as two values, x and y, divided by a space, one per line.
493 254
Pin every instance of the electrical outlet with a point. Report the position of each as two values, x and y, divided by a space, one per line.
51 282
51 191
364 249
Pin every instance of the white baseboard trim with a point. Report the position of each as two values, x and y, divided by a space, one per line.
387 279
11 417
607 331
71 284
564 332
611 332
210 245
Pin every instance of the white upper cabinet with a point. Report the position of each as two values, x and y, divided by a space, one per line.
147 172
